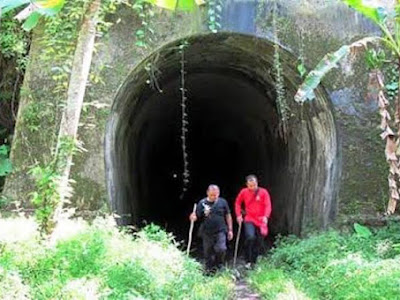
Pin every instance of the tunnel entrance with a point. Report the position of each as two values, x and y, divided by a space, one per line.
233 130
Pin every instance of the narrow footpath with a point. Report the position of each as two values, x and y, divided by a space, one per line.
243 292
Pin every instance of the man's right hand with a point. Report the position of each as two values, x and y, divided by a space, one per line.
193 217
239 219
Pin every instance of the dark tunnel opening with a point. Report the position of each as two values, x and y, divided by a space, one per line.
234 129
230 135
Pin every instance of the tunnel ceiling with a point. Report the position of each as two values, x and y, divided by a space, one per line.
233 130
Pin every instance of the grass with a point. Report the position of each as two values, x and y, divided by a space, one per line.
99 261
332 265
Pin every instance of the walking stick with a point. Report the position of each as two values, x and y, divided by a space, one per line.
191 231
237 243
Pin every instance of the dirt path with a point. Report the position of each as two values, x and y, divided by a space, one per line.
243 292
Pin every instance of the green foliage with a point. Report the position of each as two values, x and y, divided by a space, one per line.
45 197
145 33
5 162
214 15
59 41
35 112
362 231
155 233
301 68
177 4
375 59
330 61
99 261
377 15
38 8
13 41
330 265
373 13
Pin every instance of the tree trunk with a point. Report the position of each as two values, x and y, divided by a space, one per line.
76 92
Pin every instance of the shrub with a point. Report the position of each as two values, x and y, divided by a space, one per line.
332 265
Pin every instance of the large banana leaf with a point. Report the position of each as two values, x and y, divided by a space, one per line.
33 11
370 9
177 4
44 7
330 61
49 7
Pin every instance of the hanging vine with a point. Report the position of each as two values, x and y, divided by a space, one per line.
145 33
301 69
184 121
214 15
282 106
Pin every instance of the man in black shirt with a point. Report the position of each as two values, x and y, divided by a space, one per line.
216 226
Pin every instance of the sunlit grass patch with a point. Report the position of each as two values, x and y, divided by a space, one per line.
101 261
331 265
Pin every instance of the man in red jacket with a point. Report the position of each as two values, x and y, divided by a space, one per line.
257 206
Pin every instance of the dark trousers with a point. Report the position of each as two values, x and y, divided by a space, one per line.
214 248
252 243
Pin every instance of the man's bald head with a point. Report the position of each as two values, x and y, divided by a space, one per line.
213 192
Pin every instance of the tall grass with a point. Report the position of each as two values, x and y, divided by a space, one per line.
332 266
99 261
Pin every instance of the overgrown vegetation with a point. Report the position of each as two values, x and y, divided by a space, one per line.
332 265
388 21
99 261
14 44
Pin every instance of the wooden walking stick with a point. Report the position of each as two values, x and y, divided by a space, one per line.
237 243
191 231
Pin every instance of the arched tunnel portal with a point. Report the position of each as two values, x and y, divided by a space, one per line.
234 129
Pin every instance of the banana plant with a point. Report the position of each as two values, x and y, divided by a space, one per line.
188 5
389 23
33 11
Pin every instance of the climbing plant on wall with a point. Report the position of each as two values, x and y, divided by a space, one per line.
389 23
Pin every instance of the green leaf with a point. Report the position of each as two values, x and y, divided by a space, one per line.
49 7
374 13
4 149
31 21
393 86
5 163
301 69
168 4
362 231
7 5
313 79
187 5
328 62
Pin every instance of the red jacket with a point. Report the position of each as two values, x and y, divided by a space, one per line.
256 206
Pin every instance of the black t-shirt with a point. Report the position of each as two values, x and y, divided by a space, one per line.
215 221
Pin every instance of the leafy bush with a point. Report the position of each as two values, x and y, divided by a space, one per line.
330 265
5 162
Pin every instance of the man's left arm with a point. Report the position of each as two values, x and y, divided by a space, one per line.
228 218
268 206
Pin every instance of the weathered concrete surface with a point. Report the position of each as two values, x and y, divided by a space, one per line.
307 28
301 173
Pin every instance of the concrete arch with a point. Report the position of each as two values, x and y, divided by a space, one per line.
233 131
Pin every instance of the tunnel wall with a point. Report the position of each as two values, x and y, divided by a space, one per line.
306 28
303 188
